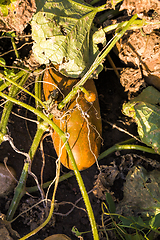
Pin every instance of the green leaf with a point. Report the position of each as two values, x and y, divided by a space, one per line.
155 222
141 194
63 35
146 112
75 231
110 203
137 236
135 222
9 72
4 10
5 5
2 62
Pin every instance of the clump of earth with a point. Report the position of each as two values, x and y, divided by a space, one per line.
139 52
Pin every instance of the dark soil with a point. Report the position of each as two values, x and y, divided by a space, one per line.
111 97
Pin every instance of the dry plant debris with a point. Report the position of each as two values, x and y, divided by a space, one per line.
18 17
132 80
140 6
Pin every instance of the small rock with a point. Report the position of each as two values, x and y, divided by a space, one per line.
57 237
4 234
7 182
6 231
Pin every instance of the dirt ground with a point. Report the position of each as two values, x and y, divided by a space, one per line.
112 92
111 97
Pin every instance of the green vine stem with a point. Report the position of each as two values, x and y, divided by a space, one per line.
38 91
36 112
81 88
14 45
14 83
8 106
118 147
20 189
84 195
137 24
96 63
46 185
76 171
6 84
19 192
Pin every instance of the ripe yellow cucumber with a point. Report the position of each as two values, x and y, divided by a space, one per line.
80 119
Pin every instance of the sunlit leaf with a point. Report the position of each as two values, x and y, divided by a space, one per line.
155 221
2 62
141 195
63 35
4 9
145 110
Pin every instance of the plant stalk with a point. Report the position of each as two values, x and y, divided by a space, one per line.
118 147
8 106
20 189
46 184
15 48
6 84
14 83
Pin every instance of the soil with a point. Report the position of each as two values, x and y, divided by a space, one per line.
112 92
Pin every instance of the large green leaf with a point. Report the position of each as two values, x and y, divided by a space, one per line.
141 195
145 110
63 35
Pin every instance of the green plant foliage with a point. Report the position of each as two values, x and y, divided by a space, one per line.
140 207
121 223
145 110
134 222
64 35
2 62
137 215
115 2
8 72
141 194
75 231
5 5
110 203
4 10
155 222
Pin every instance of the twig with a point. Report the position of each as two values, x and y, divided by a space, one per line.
122 130
10 140
113 65
13 50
